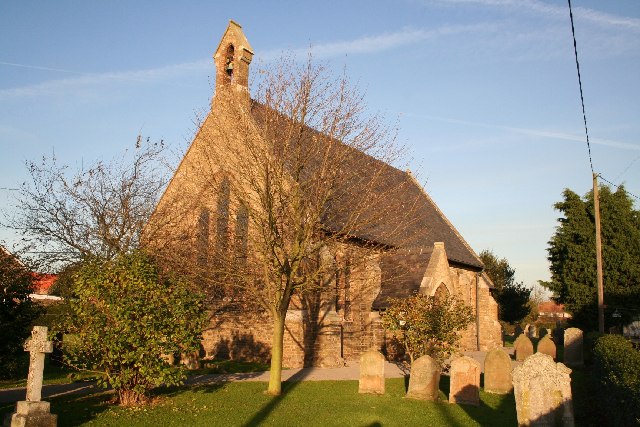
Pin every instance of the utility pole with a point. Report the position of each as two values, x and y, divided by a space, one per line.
596 208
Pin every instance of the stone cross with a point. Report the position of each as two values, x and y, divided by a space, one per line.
37 346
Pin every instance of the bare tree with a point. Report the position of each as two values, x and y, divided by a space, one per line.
291 181
65 216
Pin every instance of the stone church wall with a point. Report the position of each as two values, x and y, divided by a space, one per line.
320 330
477 295
316 334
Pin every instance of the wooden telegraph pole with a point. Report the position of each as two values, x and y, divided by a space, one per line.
596 208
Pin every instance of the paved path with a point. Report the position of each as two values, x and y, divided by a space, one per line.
349 372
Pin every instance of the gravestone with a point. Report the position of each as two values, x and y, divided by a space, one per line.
33 411
546 346
542 390
517 331
523 347
497 372
533 331
465 381
424 381
573 347
371 373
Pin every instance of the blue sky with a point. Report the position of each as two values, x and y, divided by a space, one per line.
485 92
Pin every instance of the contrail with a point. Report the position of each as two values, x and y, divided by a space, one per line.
36 67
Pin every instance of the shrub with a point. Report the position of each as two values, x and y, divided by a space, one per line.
616 373
427 325
125 317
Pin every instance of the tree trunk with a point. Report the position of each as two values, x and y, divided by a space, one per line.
130 398
277 344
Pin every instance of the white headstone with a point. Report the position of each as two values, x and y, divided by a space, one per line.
542 390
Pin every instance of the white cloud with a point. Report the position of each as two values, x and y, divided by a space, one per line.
362 45
534 132
540 45
380 42
591 15
37 67
86 80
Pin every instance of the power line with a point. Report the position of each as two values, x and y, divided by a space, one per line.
584 115
618 187
627 168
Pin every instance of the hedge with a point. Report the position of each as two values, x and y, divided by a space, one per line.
616 372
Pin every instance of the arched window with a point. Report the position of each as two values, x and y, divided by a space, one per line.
202 236
222 216
441 292
241 235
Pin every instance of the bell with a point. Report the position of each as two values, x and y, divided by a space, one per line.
229 66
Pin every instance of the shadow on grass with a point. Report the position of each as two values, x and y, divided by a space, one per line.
287 387
74 412
441 407
71 411
585 406
494 409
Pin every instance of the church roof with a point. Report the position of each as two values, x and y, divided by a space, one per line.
410 219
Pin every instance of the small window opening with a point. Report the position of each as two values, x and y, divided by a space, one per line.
228 64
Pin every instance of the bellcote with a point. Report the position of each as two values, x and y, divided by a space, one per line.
232 59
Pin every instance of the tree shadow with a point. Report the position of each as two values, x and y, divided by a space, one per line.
71 412
445 382
491 408
311 324
242 347
287 387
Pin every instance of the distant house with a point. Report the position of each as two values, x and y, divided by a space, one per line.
42 282
552 311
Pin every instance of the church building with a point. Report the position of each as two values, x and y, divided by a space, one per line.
427 255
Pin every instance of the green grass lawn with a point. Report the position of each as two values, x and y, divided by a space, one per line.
307 403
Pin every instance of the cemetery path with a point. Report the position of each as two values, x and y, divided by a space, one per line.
49 391
349 372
